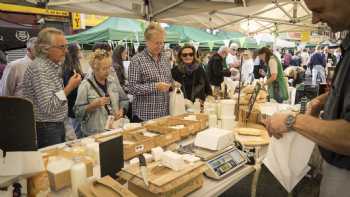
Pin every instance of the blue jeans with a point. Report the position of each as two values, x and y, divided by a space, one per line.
49 133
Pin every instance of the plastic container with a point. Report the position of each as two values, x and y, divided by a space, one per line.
213 121
227 108
78 175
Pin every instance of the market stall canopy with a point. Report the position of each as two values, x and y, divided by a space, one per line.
248 16
253 17
188 34
116 29
141 9
15 36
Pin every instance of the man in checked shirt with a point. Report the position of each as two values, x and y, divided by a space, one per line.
43 85
150 77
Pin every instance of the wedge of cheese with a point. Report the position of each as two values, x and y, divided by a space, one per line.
249 131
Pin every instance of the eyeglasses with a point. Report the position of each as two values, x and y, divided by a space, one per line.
187 54
62 47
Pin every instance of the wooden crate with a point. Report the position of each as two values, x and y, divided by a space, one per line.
164 126
203 119
164 181
181 190
139 143
253 118
163 140
61 180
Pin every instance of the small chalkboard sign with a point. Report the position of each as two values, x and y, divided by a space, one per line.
253 99
17 125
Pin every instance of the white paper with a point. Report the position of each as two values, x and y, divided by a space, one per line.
21 163
287 158
61 95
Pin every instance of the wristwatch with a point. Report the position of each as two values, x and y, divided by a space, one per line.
289 122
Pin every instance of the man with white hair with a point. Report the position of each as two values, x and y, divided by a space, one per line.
232 60
216 71
11 84
43 85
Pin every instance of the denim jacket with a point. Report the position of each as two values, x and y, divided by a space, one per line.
94 122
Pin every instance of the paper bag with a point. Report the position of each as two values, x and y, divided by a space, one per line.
287 158
176 102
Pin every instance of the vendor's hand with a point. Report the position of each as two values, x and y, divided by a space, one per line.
313 107
119 114
275 125
102 101
163 87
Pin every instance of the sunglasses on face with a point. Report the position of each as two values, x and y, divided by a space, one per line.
187 54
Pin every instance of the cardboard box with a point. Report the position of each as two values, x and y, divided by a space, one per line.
104 187
163 181
203 119
135 143
165 127
61 180
163 140
178 191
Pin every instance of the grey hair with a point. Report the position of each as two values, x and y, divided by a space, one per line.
152 28
45 39
31 42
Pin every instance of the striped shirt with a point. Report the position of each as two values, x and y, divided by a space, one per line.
43 85
144 73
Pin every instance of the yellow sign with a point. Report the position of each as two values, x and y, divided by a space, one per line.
93 20
76 21
32 10
305 36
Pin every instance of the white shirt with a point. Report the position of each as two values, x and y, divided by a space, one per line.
12 79
247 70
304 58
231 59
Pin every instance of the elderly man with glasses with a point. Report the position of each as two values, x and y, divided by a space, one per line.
150 77
43 85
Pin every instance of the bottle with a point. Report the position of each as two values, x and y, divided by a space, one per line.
197 106
77 175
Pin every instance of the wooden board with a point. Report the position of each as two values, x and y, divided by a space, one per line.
162 179
264 139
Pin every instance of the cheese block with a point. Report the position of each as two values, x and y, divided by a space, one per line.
172 160
248 89
249 131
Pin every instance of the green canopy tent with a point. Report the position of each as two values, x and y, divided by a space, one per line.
188 34
116 28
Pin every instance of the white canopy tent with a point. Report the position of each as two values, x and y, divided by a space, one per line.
247 16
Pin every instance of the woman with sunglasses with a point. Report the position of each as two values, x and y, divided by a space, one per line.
190 73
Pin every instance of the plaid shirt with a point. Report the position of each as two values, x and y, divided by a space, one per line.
144 73
43 85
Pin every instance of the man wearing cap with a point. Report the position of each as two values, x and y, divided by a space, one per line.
232 60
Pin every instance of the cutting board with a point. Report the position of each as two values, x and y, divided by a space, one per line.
264 139
162 179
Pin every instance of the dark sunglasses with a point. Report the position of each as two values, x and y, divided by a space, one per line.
187 54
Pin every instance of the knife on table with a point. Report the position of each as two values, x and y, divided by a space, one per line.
143 169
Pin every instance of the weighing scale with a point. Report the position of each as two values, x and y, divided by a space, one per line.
220 163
